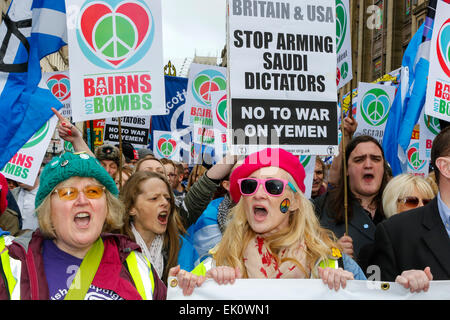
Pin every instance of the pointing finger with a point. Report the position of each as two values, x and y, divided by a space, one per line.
60 117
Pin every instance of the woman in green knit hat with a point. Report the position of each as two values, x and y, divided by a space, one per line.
72 255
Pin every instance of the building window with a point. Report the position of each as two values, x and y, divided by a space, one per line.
407 7
420 22
378 68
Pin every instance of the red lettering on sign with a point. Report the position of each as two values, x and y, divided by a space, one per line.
146 87
133 83
121 85
89 88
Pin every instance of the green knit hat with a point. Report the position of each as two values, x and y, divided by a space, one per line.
70 165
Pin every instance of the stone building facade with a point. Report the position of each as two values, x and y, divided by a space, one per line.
381 31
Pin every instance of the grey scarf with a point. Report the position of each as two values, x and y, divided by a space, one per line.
154 252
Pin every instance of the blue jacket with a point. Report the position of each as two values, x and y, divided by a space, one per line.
202 236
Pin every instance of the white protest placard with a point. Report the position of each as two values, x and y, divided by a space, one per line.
344 72
282 76
135 130
166 145
219 110
202 81
210 141
374 103
59 85
116 58
416 165
429 128
309 164
24 166
202 135
306 289
437 102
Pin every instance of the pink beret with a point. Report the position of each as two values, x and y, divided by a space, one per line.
270 157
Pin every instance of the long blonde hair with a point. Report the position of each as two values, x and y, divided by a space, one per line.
303 226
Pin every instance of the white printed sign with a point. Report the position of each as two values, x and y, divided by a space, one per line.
416 165
344 72
116 57
59 85
24 166
203 80
374 104
220 122
437 102
282 76
166 145
309 164
429 128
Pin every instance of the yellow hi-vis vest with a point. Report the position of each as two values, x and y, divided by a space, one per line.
10 271
138 266
141 272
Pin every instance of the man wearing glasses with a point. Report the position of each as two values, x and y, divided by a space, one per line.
413 247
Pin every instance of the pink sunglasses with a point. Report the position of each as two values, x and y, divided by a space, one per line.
272 186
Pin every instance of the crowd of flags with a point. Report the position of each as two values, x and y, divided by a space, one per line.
33 29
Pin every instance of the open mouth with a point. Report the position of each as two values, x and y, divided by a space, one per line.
260 213
82 220
163 218
368 177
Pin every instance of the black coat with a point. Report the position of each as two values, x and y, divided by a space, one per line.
414 239
361 228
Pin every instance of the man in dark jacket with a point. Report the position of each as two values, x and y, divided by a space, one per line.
413 247
366 179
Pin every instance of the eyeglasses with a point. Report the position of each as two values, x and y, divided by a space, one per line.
71 193
413 202
274 187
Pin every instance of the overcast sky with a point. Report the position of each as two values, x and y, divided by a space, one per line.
193 26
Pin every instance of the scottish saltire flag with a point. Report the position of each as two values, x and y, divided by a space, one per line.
410 97
30 30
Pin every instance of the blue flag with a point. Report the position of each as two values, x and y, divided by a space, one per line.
418 89
409 100
31 30
396 114
411 95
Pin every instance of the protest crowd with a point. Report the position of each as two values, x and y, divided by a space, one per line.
260 225
118 222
